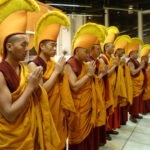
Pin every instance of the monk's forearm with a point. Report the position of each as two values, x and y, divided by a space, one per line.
79 83
111 70
17 107
135 71
100 76
48 85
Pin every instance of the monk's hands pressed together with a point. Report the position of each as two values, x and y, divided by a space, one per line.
104 70
35 77
91 68
116 61
123 61
59 67
142 64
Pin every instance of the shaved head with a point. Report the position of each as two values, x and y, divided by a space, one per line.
11 39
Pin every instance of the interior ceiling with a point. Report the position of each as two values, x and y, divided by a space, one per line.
127 25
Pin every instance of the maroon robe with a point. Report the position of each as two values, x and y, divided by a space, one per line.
39 62
12 79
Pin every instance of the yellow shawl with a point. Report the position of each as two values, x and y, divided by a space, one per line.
85 104
34 127
123 90
100 104
112 81
60 102
137 83
146 95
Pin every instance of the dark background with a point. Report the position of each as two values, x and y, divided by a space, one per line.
124 20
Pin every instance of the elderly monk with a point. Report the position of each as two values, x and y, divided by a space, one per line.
25 118
144 55
123 89
137 77
80 74
54 80
107 59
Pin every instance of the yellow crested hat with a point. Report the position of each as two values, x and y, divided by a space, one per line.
33 18
104 29
13 18
133 45
121 42
145 50
87 35
48 27
112 33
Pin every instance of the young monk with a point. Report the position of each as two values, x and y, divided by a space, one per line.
137 77
107 59
81 136
123 89
54 80
25 118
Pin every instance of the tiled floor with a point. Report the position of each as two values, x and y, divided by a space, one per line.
132 136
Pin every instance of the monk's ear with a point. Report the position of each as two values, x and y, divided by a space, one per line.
42 46
9 47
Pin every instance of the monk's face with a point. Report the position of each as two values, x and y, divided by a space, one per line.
17 47
110 48
120 53
134 54
82 54
95 51
49 48
145 59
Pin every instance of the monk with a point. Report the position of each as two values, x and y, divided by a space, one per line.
144 54
100 72
146 95
107 59
80 75
54 80
137 81
123 89
25 118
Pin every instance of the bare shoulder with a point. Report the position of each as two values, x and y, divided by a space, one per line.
101 61
31 66
67 68
2 80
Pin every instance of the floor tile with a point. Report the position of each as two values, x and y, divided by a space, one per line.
117 143
135 146
142 129
145 122
140 138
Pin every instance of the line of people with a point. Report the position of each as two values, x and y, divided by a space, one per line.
83 99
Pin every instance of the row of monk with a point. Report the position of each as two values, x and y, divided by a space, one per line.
82 99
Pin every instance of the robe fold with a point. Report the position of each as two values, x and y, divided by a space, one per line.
34 128
114 116
101 108
81 128
60 100
146 93
138 87
123 92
